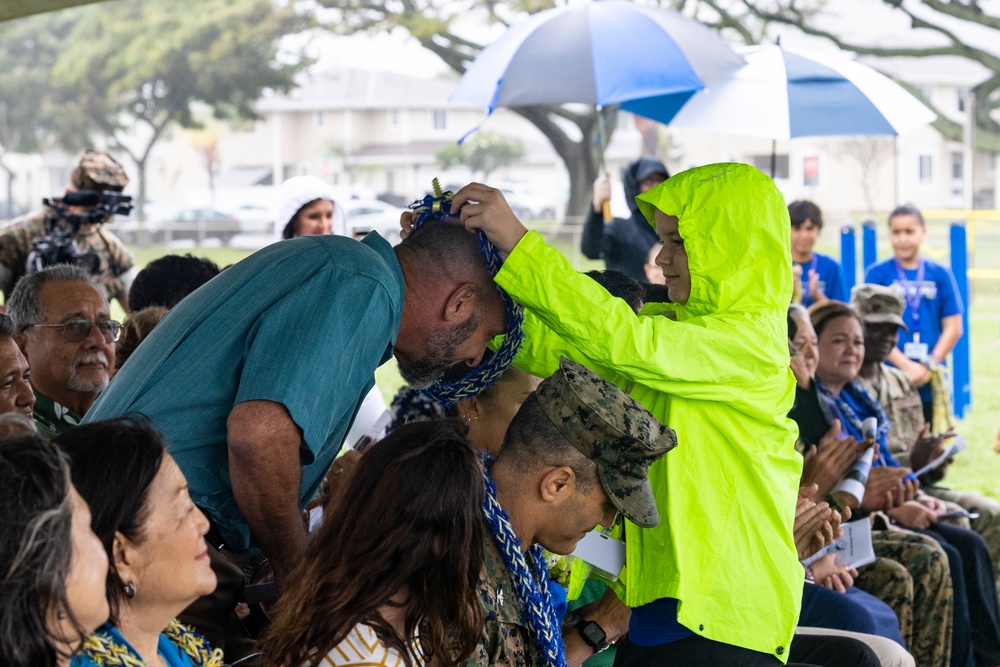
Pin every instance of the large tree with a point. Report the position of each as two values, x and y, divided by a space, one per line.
938 28
436 24
129 70
30 48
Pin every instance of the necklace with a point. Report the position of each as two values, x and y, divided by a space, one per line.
102 648
527 571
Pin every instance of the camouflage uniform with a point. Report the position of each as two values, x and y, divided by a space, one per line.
920 592
901 402
96 171
505 639
623 440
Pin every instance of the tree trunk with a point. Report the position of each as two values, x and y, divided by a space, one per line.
579 157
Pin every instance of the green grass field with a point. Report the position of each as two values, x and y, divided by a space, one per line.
975 469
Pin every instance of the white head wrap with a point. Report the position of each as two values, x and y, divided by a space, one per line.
298 191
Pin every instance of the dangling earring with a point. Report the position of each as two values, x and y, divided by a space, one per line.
129 589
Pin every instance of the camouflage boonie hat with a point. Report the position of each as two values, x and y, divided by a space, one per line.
878 304
98 171
612 430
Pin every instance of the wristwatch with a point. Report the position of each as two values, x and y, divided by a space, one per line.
593 634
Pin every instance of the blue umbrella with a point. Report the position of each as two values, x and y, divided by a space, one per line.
600 53
784 93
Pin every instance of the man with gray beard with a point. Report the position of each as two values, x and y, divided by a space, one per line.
68 337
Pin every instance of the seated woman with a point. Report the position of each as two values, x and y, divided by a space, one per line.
911 572
154 537
390 576
976 627
52 566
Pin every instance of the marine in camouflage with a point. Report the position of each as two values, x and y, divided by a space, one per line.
611 429
94 171
505 640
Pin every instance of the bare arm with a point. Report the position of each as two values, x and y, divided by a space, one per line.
915 371
265 472
610 613
951 331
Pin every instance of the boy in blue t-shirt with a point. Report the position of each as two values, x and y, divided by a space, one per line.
933 305
821 277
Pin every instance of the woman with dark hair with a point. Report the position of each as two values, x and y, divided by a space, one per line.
52 566
390 576
154 537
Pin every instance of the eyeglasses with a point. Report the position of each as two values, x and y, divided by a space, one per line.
76 331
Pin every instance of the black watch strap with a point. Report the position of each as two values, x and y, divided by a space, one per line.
593 634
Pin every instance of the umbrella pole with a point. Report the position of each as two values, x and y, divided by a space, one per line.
774 157
606 204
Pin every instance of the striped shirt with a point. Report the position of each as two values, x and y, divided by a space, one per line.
362 648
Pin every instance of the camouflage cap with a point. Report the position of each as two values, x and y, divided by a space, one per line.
98 171
612 430
878 304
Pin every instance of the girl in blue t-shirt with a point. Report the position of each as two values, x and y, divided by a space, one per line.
934 308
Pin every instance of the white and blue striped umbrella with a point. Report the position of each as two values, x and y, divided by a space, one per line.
784 93
600 53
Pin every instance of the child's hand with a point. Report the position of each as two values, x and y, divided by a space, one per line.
482 207
917 373
815 291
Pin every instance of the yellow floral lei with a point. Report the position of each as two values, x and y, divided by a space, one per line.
106 652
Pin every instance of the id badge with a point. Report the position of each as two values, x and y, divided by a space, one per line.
916 350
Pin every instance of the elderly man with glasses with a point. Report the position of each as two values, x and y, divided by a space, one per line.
66 333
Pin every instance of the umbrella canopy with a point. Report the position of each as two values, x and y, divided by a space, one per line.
600 53
784 93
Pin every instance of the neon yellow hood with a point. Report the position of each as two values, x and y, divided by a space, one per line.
736 231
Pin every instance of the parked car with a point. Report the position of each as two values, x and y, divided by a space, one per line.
527 204
255 219
195 223
367 215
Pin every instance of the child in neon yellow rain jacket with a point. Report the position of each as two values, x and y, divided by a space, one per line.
724 554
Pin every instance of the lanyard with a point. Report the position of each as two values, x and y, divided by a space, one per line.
912 290
805 278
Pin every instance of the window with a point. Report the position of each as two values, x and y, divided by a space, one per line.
810 170
926 169
319 118
763 162
960 94
439 119
393 117
957 163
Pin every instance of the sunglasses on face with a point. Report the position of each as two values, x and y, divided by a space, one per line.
75 331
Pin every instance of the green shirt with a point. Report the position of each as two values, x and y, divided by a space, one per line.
52 418
303 323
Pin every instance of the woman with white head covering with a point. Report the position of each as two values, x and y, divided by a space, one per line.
306 207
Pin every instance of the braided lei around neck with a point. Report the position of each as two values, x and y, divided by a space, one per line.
529 573
437 206
863 397
103 649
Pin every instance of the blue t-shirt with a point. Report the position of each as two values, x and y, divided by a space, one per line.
939 298
655 624
303 322
831 279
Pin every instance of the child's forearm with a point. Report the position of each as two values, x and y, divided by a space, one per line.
950 334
